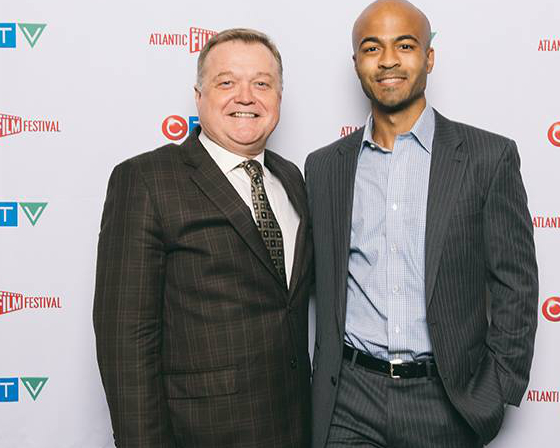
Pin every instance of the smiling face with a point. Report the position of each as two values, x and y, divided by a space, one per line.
238 100
392 56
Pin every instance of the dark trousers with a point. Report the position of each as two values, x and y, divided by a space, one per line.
373 410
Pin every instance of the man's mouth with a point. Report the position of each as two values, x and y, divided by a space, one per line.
391 81
243 115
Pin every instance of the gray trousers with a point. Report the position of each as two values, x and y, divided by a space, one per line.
373 410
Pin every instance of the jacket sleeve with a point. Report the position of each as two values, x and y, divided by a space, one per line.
512 276
127 312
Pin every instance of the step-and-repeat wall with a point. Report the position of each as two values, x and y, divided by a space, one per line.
87 84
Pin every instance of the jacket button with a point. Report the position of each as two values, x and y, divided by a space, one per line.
290 309
333 380
293 363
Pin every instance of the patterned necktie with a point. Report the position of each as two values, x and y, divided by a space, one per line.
266 221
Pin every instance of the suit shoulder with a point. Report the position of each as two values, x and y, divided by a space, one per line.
323 155
286 164
152 160
480 137
149 168
329 150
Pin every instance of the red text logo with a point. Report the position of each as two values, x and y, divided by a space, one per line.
12 124
15 301
549 45
199 37
543 396
551 309
9 125
546 222
347 130
167 39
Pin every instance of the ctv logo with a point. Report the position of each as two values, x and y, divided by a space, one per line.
176 127
195 40
15 301
9 387
551 309
9 212
12 124
554 134
31 31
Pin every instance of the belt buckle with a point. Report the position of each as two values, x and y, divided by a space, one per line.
392 363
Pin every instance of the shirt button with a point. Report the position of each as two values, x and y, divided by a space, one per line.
397 329
394 206
393 248
395 289
333 380
293 363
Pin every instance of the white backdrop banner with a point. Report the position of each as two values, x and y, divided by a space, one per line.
85 85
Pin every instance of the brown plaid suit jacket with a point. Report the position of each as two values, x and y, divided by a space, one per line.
198 342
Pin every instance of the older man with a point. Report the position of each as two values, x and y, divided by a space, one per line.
203 272
420 227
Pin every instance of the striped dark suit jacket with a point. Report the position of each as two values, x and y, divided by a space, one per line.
481 280
199 344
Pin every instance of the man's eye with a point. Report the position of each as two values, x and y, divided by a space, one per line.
262 84
370 49
406 47
226 83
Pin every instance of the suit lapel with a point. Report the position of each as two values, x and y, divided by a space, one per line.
298 200
217 188
342 174
446 173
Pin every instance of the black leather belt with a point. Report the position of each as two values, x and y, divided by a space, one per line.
395 368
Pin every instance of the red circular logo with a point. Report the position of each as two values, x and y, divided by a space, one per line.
174 127
554 134
551 309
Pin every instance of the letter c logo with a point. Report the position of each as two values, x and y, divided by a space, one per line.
551 309
175 127
554 134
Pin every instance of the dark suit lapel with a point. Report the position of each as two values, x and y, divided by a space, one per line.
297 197
446 173
217 188
343 173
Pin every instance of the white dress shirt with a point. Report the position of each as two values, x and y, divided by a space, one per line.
286 215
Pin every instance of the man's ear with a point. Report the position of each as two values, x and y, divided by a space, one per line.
430 60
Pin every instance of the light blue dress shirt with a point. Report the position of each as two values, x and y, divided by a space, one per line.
386 302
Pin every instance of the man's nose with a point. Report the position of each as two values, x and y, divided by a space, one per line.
389 59
244 94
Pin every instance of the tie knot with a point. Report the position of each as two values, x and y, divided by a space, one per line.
252 167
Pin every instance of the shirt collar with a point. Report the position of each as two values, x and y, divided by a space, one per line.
423 130
226 160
